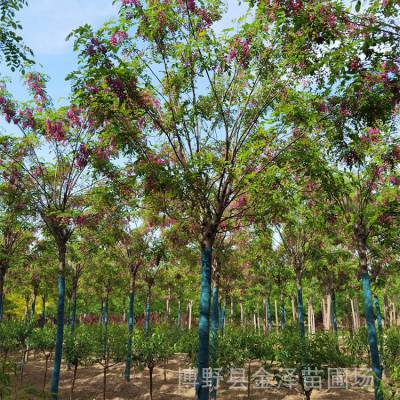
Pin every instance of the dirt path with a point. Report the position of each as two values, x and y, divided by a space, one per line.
89 385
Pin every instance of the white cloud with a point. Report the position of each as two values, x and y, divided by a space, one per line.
46 23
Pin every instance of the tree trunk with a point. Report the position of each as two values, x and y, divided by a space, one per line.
231 311
2 275
43 315
169 304
190 314
101 312
361 236
202 391
147 319
300 304
248 379
105 345
151 382
276 316
179 314
353 313
33 308
45 371
379 321
372 337
128 358
283 314
328 311
293 309
214 333
222 319
269 315
334 318
73 381
55 377
73 310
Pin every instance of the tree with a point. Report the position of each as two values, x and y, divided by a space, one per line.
203 95
57 182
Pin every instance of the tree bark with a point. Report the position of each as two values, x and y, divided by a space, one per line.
131 321
361 237
202 391
334 317
73 310
55 377
2 275
190 314
300 304
214 333
283 313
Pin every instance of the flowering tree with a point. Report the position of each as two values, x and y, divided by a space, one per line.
345 60
52 153
188 101
15 233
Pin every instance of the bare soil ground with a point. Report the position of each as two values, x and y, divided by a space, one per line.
89 385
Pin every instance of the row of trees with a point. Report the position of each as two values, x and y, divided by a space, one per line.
272 150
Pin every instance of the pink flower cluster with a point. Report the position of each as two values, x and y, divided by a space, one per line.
191 5
80 220
7 109
82 157
329 17
118 37
240 202
148 100
156 160
73 116
295 6
36 84
323 107
371 137
240 49
55 130
354 64
25 118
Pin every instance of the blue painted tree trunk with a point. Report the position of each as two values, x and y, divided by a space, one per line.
101 317
179 314
380 325
131 321
73 309
68 317
33 308
283 315
300 307
147 319
202 389
378 314
333 311
43 315
372 337
214 333
55 376
2 275
105 331
222 320
269 315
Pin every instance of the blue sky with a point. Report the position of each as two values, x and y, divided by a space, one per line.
46 23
